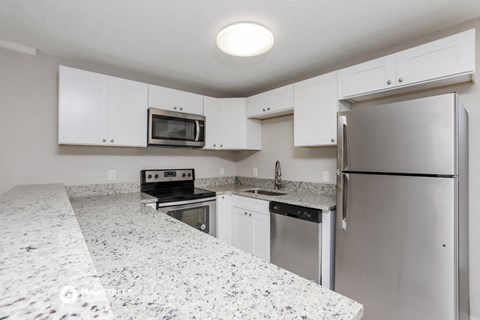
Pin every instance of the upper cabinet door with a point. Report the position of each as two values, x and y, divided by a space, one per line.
280 99
190 102
162 98
83 107
370 76
233 126
443 58
127 118
211 111
256 105
316 107
271 103
174 100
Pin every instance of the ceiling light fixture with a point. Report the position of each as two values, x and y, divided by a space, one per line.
245 39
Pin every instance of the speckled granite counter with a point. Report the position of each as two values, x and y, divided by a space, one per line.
42 252
145 265
160 268
300 198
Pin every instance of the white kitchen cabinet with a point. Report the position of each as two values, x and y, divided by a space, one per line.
127 112
251 226
374 75
96 109
442 62
211 111
316 107
447 57
224 218
227 127
272 103
174 100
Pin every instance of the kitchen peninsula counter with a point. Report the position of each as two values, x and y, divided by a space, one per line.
146 265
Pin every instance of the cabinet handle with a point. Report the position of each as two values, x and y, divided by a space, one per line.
263 110
249 214
174 108
214 145
389 82
332 140
112 141
245 213
104 140
400 80
221 146
268 109
181 108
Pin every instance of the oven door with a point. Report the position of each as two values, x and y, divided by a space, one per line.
200 213
168 128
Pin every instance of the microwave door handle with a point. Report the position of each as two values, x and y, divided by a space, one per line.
197 135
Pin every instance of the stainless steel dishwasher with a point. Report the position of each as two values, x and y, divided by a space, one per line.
296 239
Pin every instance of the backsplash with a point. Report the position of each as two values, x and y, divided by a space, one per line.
289 185
102 189
131 187
217 181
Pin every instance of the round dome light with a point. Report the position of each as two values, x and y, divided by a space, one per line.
245 39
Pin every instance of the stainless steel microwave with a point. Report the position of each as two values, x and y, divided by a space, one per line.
175 129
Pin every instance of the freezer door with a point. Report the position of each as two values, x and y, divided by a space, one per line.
415 137
397 253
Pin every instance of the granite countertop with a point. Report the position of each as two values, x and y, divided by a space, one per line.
42 253
113 258
159 268
301 198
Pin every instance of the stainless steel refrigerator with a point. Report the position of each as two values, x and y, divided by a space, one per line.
402 209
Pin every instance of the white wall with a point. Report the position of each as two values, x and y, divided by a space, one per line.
302 164
29 152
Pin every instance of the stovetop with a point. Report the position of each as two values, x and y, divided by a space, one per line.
179 194
172 185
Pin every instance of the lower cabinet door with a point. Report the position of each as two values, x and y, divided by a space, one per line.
261 235
242 229
224 218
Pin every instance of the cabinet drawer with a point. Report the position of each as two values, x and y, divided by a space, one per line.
250 204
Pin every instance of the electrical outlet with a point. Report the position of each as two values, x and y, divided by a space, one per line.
222 171
326 176
255 172
112 175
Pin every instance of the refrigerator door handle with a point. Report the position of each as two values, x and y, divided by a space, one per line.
342 148
342 196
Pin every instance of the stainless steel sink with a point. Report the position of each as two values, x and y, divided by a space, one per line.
265 192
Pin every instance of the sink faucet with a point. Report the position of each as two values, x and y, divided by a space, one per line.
278 176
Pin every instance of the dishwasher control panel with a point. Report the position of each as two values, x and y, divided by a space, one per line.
303 213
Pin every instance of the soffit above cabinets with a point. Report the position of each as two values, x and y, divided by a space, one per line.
174 41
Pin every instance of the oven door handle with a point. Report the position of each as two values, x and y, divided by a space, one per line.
186 202
197 124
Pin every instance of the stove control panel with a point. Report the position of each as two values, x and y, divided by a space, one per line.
166 175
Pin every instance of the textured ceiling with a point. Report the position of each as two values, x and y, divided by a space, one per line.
174 40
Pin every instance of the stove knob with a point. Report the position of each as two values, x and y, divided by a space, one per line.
149 176
189 174
156 176
183 175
